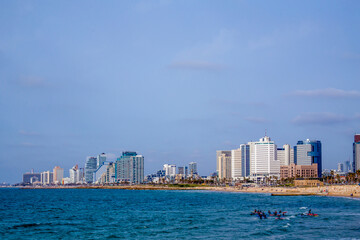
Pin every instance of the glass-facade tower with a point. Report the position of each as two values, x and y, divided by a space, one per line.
308 152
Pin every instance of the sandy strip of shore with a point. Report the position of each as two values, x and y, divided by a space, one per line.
335 190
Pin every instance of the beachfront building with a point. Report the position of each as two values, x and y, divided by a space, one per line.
75 175
193 168
308 152
263 159
356 153
236 166
47 178
170 170
285 155
110 173
58 175
31 177
223 160
240 162
129 168
299 171
90 168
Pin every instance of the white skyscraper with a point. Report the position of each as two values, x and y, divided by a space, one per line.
285 155
236 164
170 170
263 159
75 174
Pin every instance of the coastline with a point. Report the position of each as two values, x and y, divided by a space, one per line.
334 190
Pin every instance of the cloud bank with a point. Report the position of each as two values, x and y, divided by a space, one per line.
321 119
328 92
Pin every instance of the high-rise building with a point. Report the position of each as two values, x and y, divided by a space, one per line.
130 168
110 173
58 174
170 170
356 153
223 159
348 167
245 160
100 160
308 152
75 174
181 170
340 167
263 160
240 162
236 164
193 168
90 168
31 177
46 178
285 155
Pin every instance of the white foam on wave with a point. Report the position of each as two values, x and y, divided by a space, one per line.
303 208
287 225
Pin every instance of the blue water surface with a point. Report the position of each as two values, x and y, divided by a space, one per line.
134 214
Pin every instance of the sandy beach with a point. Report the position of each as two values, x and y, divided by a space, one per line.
334 190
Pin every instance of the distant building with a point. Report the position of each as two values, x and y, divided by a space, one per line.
181 171
340 167
236 164
47 178
348 167
130 168
296 171
193 168
285 155
223 159
58 175
307 183
308 152
170 170
263 160
90 168
100 160
31 177
110 173
356 153
240 162
75 175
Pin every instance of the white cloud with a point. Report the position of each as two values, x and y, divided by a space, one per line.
328 92
321 119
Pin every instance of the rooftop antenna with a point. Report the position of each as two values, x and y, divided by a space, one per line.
265 132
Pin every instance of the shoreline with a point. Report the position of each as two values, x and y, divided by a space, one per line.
335 190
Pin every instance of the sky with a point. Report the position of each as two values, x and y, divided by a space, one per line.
174 80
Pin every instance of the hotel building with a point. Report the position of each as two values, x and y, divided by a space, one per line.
263 159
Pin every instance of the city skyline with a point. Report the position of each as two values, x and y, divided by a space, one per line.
175 81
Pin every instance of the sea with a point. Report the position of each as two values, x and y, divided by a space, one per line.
162 214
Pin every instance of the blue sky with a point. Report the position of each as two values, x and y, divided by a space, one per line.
174 81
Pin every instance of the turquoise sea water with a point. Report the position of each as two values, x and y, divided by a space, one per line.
130 214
